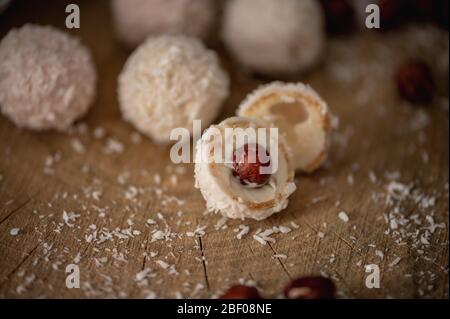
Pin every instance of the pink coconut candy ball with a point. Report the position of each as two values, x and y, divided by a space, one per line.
47 78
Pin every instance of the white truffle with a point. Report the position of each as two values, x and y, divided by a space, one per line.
47 78
135 20
300 114
169 82
274 36
223 192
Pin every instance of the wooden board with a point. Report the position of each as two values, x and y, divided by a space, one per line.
388 170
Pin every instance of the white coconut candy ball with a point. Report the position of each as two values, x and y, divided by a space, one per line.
226 192
300 114
135 20
274 36
47 78
169 82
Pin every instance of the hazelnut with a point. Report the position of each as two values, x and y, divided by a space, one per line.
392 13
241 292
415 82
395 12
423 10
310 288
339 15
248 162
441 13
430 10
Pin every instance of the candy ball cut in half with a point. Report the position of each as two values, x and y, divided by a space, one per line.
223 189
301 115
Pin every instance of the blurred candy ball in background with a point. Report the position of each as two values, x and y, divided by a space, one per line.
137 19
170 81
47 78
274 36
340 16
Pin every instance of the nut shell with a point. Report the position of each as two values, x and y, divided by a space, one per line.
241 292
310 288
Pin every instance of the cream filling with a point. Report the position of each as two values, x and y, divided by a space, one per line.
302 129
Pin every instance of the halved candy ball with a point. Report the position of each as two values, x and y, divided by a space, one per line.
300 114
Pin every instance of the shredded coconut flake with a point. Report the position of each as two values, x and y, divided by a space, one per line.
344 217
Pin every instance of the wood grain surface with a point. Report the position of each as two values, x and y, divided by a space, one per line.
90 196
